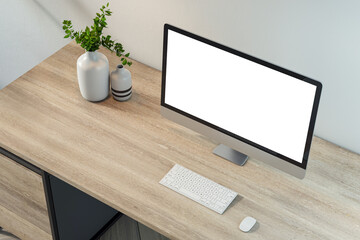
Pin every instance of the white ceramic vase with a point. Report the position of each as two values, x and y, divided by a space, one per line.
93 76
121 83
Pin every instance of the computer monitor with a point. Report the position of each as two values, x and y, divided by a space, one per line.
250 106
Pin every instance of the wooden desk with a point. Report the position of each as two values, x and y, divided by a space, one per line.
117 152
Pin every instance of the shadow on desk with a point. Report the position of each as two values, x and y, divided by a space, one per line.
6 235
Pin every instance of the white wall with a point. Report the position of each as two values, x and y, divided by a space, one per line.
319 39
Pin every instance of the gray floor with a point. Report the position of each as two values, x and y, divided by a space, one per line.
128 229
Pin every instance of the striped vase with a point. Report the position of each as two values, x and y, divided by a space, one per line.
121 84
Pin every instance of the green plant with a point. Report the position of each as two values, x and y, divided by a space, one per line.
92 38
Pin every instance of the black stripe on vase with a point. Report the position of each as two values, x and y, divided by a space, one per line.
116 91
121 96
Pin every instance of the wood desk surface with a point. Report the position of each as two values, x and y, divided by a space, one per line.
118 152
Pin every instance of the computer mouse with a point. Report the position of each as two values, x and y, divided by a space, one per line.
247 224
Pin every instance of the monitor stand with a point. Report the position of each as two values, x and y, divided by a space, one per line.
230 154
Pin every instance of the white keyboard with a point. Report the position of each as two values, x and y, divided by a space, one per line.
198 188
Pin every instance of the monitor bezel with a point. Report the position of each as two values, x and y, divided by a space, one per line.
318 85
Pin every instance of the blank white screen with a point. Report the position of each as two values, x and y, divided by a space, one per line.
255 102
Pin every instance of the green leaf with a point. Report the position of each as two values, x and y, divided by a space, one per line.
91 38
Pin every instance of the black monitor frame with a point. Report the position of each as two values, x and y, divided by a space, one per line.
318 85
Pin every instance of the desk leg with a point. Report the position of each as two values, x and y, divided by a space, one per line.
75 215
50 204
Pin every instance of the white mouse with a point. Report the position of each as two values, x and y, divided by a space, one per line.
247 224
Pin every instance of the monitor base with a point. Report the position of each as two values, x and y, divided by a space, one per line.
230 154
